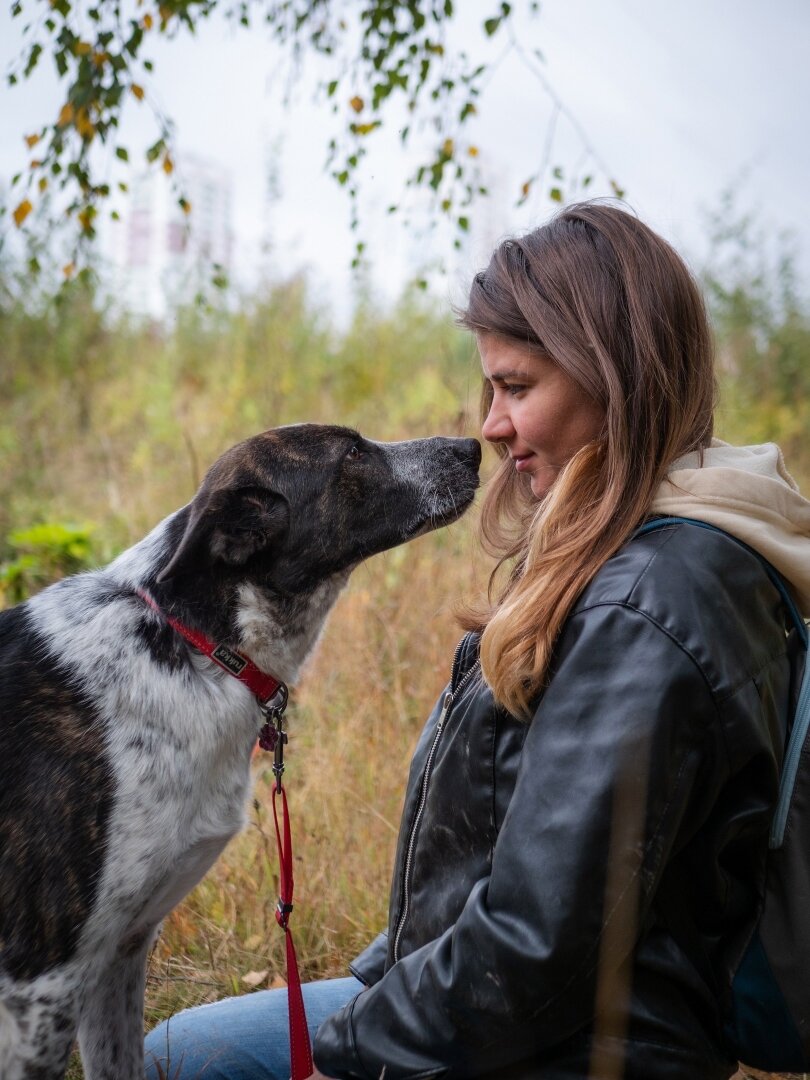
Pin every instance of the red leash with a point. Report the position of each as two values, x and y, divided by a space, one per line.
271 695
300 1049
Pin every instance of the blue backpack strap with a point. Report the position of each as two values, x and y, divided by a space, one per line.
801 720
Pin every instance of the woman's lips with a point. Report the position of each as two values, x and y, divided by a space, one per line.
522 461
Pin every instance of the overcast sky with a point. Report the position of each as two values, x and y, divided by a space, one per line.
680 100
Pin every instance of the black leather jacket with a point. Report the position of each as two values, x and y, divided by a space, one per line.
569 895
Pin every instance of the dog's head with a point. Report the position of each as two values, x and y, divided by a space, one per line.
296 505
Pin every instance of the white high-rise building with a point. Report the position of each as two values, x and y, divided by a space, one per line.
163 255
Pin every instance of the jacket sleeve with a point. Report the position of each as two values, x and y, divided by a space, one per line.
369 966
610 766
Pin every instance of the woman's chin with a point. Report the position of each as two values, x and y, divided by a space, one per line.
539 487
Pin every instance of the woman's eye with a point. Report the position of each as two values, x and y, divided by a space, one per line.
514 388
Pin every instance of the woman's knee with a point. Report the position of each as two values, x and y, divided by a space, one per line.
241 1038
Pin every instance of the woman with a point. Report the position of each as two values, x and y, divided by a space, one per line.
584 836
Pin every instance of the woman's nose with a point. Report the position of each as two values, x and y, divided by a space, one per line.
497 426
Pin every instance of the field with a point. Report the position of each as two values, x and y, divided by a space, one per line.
108 425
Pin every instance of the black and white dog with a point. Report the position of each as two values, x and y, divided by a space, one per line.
124 751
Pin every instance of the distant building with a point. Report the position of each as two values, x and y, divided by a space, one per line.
163 255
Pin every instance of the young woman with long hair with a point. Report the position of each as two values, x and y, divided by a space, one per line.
585 829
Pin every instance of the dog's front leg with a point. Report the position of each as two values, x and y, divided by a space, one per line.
111 1021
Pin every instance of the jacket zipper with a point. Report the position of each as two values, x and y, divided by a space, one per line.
447 704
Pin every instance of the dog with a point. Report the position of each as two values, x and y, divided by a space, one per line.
125 751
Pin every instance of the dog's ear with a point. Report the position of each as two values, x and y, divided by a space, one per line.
227 526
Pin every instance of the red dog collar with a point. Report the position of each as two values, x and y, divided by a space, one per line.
264 686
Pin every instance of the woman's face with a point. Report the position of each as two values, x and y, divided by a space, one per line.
538 412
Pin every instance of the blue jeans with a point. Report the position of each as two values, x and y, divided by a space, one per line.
241 1038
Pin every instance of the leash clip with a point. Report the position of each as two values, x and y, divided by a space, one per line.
272 735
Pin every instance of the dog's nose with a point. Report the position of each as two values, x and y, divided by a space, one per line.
468 451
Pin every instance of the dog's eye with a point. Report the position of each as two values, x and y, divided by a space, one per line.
354 453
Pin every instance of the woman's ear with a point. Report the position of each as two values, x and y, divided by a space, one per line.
227 526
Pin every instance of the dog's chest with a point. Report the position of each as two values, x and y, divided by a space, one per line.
177 745
180 756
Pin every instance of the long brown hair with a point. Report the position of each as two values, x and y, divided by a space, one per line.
615 306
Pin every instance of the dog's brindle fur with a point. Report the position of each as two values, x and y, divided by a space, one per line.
124 753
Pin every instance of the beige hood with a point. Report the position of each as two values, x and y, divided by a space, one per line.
747 491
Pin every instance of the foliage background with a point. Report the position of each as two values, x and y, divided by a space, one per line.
108 424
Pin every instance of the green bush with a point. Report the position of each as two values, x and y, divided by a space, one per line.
41 555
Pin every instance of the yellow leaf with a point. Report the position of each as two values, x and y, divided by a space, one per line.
364 129
357 104
185 206
100 58
168 165
84 125
69 269
255 978
472 151
147 22
82 48
448 146
31 140
66 114
86 217
137 91
43 183
526 188
22 212
34 163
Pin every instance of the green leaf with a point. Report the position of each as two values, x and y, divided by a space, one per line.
332 87
122 153
33 58
556 195
491 25
155 150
